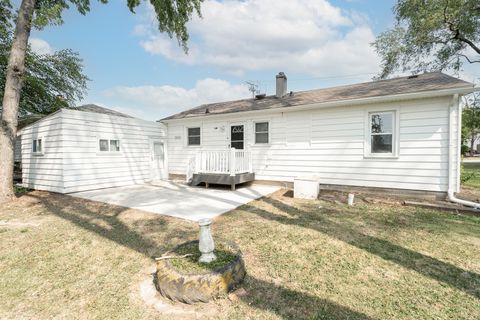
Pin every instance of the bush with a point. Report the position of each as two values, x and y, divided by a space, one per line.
465 149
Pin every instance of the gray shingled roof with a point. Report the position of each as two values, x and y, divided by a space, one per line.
97 109
423 82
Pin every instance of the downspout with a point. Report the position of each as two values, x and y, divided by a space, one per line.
455 152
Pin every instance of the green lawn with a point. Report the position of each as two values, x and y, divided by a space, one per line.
471 172
70 258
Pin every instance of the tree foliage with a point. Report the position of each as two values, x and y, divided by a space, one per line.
47 77
471 120
430 35
172 15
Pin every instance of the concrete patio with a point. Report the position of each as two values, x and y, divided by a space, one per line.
178 200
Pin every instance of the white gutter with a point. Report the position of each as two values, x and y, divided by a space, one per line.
455 152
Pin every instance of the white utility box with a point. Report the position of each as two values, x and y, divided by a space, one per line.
306 187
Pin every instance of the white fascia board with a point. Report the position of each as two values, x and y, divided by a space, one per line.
396 97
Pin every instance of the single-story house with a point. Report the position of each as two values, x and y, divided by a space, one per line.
401 134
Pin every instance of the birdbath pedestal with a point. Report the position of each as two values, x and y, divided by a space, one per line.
206 244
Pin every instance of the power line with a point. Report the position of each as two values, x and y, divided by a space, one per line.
327 77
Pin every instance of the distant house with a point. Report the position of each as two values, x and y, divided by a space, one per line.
397 134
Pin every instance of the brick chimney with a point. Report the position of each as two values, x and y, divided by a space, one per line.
281 85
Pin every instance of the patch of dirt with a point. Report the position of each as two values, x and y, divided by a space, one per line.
339 197
469 193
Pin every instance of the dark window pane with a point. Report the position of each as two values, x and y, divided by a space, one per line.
103 145
114 145
236 133
34 148
193 141
193 131
237 136
261 127
237 144
382 123
261 137
382 143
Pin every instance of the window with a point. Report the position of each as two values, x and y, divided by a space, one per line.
114 145
382 133
103 145
193 136
261 133
37 146
109 145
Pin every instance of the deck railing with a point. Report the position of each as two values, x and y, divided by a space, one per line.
230 161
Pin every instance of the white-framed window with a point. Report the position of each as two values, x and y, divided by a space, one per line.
382 134
109 145
37 146
194 136
262 132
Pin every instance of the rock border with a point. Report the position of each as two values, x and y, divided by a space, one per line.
192 288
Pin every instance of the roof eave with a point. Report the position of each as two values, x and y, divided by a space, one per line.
361 101
39 120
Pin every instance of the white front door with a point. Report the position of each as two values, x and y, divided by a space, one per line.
158 164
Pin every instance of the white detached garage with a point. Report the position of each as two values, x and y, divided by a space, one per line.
91 147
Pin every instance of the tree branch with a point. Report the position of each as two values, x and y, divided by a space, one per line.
457 34
468 59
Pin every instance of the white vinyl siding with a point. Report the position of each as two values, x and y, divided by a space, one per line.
330 143
128 160
45 172
71 160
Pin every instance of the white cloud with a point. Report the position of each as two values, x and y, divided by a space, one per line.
156 102
40 46
309 36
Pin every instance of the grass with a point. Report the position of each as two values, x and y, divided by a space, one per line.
471 173
191 264
62 257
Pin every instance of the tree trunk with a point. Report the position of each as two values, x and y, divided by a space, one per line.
472 144
11 97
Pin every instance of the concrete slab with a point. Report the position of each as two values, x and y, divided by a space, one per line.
178 200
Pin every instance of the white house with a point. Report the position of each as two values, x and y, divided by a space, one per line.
91 148
401 134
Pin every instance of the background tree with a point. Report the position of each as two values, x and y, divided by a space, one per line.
430 35
172 16
47 76
471 120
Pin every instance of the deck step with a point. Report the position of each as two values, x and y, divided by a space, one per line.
224 179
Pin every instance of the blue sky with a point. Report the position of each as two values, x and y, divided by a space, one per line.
135 69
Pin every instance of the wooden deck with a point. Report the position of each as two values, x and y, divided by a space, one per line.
227 167
221 178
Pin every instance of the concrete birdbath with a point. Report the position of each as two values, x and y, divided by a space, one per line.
199 271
